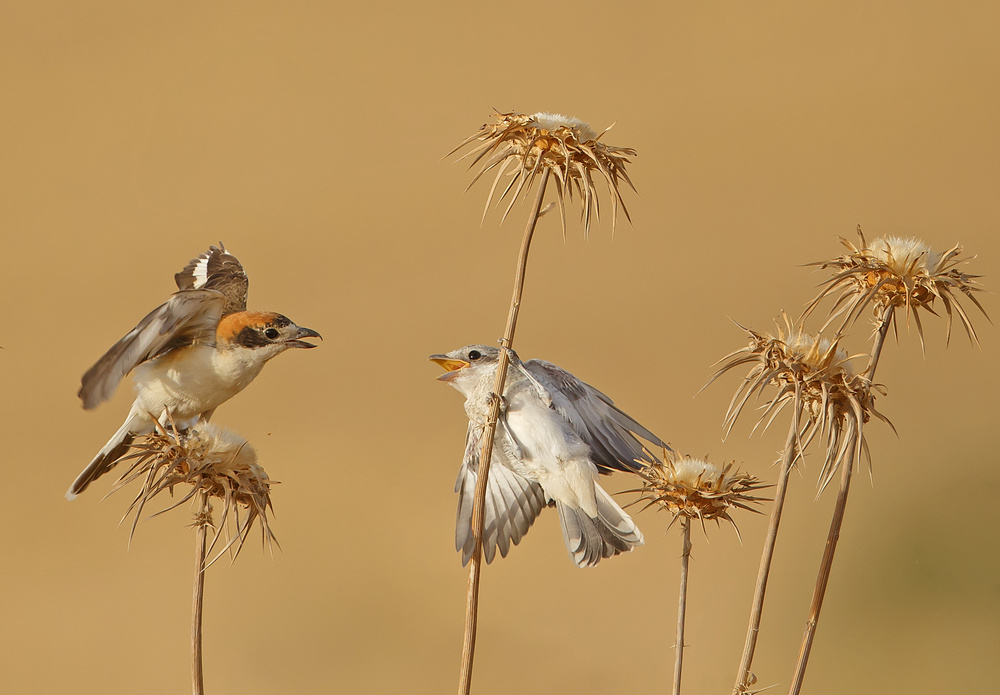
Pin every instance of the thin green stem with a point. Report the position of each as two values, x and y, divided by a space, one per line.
486 453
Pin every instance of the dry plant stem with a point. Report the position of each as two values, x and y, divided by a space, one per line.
682 602
824 577
826 565
486 453
789 456
880 335
201 521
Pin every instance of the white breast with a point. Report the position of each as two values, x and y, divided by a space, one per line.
191 381
551 453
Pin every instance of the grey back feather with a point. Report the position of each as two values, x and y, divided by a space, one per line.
610 433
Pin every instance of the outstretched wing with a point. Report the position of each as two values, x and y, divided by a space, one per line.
217 269
610 433
188 317
512 503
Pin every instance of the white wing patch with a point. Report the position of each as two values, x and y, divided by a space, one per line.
201 271
217 269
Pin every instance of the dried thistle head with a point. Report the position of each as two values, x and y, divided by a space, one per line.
814 375
893 272
208 458
521 146
694 488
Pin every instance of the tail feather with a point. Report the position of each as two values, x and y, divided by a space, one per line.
618 524
109 454
589 539
581 535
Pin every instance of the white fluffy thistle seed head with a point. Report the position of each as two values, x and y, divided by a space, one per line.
554 121
905 255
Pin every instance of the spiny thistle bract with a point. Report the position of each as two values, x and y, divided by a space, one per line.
521 145
814 375
207 458
694 488
899 272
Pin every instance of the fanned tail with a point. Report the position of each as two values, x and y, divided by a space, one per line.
590 539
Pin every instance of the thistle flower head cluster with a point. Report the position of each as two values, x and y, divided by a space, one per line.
209 459
814 375
893 272
697 489
521 146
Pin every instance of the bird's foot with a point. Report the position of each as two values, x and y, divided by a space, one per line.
492 399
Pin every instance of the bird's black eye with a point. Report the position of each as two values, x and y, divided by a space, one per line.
475 354
271 334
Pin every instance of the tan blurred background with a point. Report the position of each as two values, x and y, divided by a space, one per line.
309 138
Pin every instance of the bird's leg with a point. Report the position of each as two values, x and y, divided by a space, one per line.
542 392
492 398
167 419
509 442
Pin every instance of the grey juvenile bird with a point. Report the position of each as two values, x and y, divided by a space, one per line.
554 435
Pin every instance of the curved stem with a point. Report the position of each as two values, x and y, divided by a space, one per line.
826 564
682 602
743 678
486 453
202 519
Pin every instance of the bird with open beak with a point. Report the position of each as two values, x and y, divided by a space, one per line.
554 435
188 356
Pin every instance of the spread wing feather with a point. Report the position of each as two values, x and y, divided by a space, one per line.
189 316
512 504
217 269
611 434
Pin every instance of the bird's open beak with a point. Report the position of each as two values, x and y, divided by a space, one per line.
451 366
299 335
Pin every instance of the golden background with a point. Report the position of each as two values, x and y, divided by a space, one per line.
309 138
